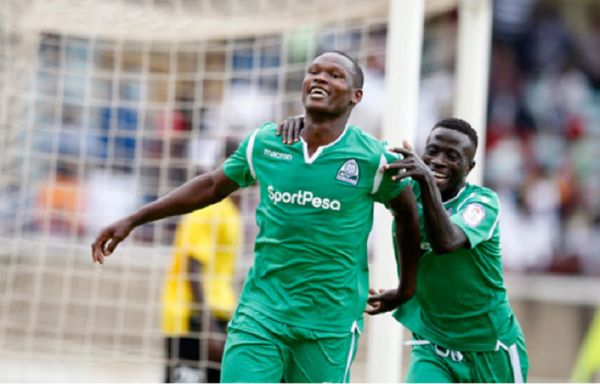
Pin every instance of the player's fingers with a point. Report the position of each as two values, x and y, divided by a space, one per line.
110 247
403 175
381 291
97 256
374 310
289 134
375 299
278 130
398 164
400 150
299 128
406 145
372 307
372 291
98 246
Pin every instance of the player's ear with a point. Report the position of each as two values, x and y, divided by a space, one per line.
357 95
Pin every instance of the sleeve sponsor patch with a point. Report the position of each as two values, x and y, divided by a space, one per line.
474 214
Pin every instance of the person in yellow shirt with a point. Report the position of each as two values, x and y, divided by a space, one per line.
587 365
198 296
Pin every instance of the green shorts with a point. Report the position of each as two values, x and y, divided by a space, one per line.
260 349
433 364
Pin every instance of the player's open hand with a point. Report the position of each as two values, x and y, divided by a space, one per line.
108 238
410 165
290 129
382 301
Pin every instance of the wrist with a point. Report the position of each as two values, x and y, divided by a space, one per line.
404 293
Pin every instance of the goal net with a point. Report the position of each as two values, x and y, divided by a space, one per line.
107 105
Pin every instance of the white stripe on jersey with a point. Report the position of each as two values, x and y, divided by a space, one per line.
378 175
249 150
516 363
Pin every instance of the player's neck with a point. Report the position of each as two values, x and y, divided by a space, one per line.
318 132
449 195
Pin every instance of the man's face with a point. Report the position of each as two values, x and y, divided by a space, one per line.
328 85
449 155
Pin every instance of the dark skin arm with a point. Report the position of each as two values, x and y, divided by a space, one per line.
404 209
199 192
444 235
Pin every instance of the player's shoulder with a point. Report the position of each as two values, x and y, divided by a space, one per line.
266 133
363 141
359 135
481 193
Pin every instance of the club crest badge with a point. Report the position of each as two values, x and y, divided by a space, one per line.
348 172
474 214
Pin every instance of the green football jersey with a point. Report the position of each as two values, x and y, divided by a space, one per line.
314 216
461 300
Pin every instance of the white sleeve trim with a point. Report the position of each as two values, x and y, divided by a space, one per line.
249 150
489 236
378 175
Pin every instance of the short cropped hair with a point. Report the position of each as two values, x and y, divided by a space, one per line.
459 125
358 75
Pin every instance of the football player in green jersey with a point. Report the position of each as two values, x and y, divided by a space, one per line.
300 311
463 327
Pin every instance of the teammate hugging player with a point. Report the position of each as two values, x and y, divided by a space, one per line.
463 327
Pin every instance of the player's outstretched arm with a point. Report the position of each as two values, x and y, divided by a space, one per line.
290 129
406 217
199 192
444 235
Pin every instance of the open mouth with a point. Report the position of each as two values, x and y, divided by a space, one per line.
440 177
318 93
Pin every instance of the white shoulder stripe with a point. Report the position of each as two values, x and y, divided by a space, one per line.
249 151
489 236
378 175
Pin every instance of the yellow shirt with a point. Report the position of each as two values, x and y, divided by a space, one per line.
212 236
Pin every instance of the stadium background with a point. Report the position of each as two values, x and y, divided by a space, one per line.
105 105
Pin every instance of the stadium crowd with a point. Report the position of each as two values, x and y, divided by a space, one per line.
542 146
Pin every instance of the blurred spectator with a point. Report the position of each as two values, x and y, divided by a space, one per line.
511 18
588 47
60 203
548 43
587 365
106 204
198 296
542 145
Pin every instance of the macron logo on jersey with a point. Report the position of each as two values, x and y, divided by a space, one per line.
277 155
303 198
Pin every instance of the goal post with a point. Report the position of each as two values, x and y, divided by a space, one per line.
403 68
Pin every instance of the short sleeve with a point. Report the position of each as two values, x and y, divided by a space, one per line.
384 188
239 167
478 217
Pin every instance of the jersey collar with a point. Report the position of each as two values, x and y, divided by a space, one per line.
453 199
311 159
